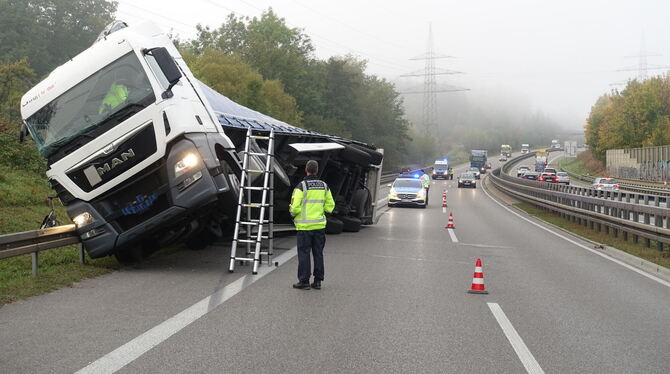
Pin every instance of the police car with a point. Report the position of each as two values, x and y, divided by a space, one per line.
408 190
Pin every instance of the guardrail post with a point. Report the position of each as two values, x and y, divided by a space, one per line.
82 254
625 235
635 238
657 201
646 200
34 256
647 242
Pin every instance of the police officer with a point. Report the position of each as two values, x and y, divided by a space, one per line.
425 181
451 173
310 201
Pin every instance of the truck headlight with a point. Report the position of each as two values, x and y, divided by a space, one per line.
83 219
187 163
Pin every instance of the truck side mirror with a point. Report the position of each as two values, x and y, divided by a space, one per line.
23 132
168 67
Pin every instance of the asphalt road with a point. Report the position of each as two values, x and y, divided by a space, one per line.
394 300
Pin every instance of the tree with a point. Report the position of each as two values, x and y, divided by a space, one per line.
15 79
49 32
235 79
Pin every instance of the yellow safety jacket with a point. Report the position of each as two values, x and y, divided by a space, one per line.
310 201
116 95
425 180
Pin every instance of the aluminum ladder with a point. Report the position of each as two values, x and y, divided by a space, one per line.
252 215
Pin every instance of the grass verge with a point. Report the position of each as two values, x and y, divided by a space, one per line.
23 205
650 254
583 164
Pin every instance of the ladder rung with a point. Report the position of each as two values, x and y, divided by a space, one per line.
255 171
246 240
260 137
243 259
255 205
255 188
253 222
260 154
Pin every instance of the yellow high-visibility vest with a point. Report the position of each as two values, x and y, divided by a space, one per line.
116 95
310 201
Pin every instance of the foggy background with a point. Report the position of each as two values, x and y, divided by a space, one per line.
520 59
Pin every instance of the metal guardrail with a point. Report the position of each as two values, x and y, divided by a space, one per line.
627 184
628 213
34 241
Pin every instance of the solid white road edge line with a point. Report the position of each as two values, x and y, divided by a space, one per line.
129 352
522 351
452 234
630 267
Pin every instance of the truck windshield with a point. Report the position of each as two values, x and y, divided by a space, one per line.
105 95
478 158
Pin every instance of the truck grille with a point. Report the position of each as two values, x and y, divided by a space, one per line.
151 181
107 167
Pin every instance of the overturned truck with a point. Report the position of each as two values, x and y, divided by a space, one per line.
143 154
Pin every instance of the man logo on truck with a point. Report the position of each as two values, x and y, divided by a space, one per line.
108 166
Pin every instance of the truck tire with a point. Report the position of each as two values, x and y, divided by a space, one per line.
355 155
359 202
200 239
334 226
350 224
375 157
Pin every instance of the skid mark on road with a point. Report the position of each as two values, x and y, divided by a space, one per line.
129 352
527 359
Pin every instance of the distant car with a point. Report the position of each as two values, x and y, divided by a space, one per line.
547 177
550 170
562 177
467 180
605 184
488 165
407 191
474 171
502 158
532 175
522 169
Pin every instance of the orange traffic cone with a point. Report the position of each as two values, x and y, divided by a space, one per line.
450 222
478 279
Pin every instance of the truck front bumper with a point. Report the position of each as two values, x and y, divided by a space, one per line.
153 199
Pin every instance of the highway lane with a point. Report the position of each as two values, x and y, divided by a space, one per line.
393 301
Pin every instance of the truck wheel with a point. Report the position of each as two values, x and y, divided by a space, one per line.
334 226
360 202
375 157
350 224
204 237
356 156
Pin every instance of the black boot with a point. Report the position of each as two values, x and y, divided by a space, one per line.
301 285
316 285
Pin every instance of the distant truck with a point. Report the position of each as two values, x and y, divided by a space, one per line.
506 150
478 159
525 148
441 169
555 144
541 160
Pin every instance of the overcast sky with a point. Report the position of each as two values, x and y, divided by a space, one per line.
557 56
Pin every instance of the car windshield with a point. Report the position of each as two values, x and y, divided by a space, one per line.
562 174
474 169
440 166
467 176
407 183
608 181
100 97
524 168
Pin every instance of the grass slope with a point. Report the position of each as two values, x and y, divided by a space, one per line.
23 205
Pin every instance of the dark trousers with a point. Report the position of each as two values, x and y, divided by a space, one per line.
310 241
